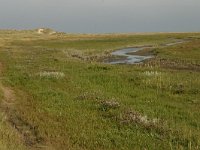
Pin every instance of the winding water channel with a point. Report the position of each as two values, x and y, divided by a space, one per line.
128 58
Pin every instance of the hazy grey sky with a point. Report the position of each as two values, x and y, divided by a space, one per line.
97 16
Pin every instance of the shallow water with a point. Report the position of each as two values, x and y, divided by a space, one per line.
128 58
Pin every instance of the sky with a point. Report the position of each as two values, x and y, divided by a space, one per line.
102 16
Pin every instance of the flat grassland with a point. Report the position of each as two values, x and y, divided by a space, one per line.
56 92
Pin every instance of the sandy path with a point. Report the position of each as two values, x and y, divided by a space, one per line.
26 131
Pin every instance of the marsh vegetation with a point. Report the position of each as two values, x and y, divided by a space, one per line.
65 97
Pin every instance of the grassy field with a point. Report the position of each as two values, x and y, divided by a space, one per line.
57 94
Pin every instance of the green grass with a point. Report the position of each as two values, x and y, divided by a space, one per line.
69 112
